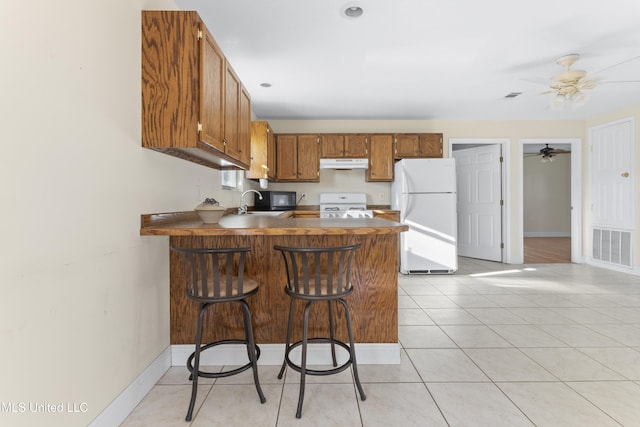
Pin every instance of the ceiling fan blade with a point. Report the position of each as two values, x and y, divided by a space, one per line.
616 65
618 81
586 84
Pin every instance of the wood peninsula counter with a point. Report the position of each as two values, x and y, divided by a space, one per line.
374 302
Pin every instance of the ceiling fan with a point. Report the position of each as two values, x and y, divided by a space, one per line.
570 84
548 154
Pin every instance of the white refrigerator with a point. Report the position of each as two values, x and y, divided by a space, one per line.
424 191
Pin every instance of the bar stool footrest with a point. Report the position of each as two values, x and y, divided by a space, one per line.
319 372
222 374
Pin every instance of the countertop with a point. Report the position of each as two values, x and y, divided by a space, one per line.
189 224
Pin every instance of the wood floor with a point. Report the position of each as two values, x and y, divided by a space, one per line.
547 250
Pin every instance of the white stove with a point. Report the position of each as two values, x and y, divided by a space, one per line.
344 205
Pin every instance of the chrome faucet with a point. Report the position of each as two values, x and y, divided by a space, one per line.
242 209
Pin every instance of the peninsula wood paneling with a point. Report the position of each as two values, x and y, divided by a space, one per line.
373 303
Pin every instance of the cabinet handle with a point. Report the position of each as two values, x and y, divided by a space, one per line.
625 175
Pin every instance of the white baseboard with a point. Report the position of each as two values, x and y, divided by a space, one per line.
125 402
633 270
546 234
273 354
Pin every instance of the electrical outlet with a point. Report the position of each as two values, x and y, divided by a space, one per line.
304 196
381 196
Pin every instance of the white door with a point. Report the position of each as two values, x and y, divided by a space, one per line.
612 193
479 179
611 182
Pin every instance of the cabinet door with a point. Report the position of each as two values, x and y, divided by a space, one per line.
287 157
212 65
356 146
271 154
332 146
309 158
430 145
380 158
406 145
244 127
258 164
231 113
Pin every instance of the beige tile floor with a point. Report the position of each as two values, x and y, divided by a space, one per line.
492 345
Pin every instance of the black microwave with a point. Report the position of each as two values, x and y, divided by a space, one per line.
275 201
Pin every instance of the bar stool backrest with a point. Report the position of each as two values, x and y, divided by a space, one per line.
215 273
318 272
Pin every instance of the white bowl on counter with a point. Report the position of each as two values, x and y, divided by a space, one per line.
210 213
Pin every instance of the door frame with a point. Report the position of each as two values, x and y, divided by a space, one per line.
505 172
576 193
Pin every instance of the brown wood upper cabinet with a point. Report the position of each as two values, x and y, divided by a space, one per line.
380 158
263 152
272 158
244 126
193 104
345 145
298 158
418 145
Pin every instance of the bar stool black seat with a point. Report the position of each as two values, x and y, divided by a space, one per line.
216 276
319 274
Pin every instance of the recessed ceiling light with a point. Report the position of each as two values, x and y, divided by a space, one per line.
265 84
353 11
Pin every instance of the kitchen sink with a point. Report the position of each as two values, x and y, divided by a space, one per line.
265 213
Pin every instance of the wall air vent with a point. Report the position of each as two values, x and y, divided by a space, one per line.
513 94
612 246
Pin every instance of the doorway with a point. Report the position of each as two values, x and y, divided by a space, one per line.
551 202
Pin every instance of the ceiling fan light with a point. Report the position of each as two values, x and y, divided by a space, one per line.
578 99
558 102
547 157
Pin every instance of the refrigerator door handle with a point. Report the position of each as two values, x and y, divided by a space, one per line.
405 184
404 194
405 207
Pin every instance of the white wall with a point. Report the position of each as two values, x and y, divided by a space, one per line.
84 299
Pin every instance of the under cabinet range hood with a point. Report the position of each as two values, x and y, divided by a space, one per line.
344 163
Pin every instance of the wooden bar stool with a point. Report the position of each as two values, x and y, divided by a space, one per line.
319 274
216 276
